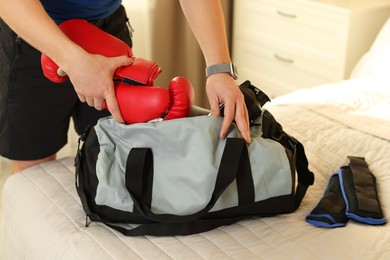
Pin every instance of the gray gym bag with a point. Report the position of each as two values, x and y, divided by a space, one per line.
177 177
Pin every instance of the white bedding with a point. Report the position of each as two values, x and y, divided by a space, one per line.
44 219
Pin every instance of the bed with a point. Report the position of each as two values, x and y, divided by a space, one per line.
43 217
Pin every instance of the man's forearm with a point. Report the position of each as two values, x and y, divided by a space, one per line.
33 24
207 22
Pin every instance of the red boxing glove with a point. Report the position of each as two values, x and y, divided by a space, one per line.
96 41
144 103
182 97
141 103
91 39
51 70
140 72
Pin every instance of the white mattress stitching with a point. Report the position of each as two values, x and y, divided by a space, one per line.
258 236
162 249
323 241
239 224
182 240
72 170
118 235
121 238
60 209
292 241
204 235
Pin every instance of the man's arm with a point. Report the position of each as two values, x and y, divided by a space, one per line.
91 75
208 25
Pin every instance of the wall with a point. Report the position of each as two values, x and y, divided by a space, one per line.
175 48
139 14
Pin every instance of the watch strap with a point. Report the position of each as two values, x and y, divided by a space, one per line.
222 68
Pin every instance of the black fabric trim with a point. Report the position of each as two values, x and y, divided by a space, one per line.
139 175
87 181
364 183
269 207
244 179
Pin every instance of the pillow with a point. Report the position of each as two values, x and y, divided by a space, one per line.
376 62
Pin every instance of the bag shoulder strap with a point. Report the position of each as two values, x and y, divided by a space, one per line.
273 130
231 167
235 165
305 176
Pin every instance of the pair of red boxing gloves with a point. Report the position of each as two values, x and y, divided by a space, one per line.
138 99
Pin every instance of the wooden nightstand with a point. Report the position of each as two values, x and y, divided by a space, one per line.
285 45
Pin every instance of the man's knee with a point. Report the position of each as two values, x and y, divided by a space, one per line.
17 166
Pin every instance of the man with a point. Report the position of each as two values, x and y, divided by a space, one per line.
34 117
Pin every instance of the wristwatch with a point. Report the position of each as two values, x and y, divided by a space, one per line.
222 68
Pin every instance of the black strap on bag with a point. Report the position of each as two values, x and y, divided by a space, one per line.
232 168
305 176
235 165
141 163
273 130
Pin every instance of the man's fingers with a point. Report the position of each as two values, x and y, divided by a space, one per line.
228 116
239 113
99 104
82 98
90 102
114 108
215 108
122 61
242 120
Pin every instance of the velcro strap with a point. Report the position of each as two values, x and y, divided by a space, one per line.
365 184
140 72
358 186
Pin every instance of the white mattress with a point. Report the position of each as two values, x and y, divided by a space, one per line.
43 218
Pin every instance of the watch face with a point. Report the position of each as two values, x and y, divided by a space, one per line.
233 71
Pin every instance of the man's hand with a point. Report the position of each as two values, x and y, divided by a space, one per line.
92 78
221 88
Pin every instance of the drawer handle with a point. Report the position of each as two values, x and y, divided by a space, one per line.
289 15
283 59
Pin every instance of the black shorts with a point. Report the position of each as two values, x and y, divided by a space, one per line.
34 112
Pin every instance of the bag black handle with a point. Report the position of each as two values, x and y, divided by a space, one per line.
234 164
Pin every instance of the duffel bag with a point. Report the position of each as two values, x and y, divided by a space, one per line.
177 177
